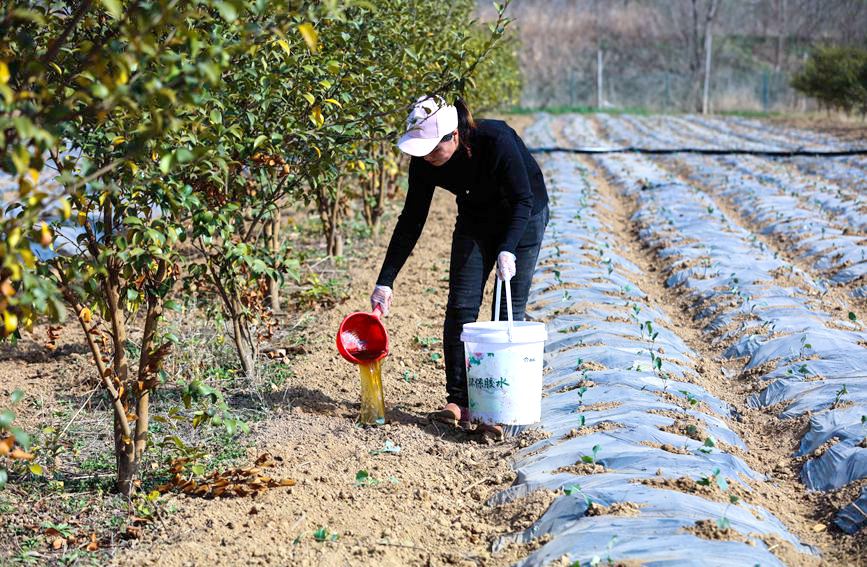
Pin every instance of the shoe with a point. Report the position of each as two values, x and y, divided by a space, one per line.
453 415
488 432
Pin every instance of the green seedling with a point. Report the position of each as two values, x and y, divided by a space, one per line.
322 534
596 560
557 277
434 356
689 397
581 421
591 459
805 345
581 391
840 393
426 342
691 430
388 447
723 523
655 362
571 329
715 476
363 478
648 326
576 489
63 529
852 317
408 376
709 444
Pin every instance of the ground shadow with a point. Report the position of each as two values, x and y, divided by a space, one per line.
316 401
32 352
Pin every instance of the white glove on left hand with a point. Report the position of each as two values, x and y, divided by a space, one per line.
506 266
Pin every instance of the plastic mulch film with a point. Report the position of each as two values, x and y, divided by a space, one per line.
636 451
854 516
814 362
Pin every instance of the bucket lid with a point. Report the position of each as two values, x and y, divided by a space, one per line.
498 332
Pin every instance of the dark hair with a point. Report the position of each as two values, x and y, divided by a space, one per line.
466 124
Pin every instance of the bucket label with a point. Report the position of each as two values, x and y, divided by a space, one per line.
505 386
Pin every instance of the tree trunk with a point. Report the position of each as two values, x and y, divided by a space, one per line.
708 53
381 195
272 240
599 74
244 344
782 27
329 215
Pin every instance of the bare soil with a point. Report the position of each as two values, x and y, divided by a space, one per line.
422 506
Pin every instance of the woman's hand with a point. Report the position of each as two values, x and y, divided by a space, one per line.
381 296
506 266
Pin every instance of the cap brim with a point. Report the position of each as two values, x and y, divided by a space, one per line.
418 147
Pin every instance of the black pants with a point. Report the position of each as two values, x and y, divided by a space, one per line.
474 254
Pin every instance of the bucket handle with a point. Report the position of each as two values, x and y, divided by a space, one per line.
508 286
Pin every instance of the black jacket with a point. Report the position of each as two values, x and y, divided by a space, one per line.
499 184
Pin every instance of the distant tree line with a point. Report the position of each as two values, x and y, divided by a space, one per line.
656 53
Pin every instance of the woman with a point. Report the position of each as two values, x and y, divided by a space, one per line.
502 214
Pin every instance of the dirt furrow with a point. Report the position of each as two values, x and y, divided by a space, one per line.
771 441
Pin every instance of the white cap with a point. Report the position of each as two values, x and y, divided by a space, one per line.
430 119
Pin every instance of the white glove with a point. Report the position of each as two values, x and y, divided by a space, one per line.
506 266
381 296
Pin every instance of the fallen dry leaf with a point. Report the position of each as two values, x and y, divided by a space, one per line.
133 532
238 482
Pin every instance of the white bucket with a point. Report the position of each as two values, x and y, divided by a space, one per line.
504 368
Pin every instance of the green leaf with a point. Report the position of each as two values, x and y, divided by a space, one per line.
16 396
113 7
4 476
362 477
198 470
216 117
227 11
183 155
22 438
260 139
35 469
6 418
852 316
166 163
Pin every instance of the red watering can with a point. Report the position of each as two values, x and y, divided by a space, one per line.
361 338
